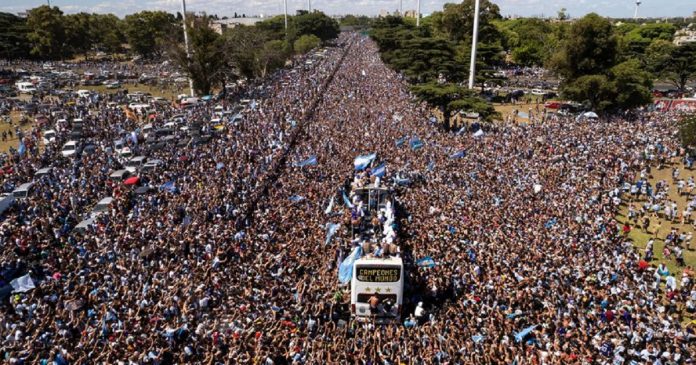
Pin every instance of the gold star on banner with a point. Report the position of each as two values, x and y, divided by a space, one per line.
368 289
388 290
378 290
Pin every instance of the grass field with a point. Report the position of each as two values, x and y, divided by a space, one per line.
659 228
4 127
640 238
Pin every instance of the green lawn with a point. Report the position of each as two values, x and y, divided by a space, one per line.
641 238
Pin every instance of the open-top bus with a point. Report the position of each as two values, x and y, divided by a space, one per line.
381 278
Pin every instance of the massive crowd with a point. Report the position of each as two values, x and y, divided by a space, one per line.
229 263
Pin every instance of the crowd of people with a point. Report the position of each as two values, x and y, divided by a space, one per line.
230 263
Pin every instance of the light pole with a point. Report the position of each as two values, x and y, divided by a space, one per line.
418 13
309 6
186 44
472 67
285 2
635 15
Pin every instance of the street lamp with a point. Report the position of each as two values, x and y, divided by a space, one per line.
418 13
474 41
285 2
186 44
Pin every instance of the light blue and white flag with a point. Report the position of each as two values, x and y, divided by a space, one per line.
296 198
459 154
380 170
329 209
345 270
346 200
519 336
169 187
311 161
431 166
416 143
426 262
401 141
22 284
22 148
361 162
331 229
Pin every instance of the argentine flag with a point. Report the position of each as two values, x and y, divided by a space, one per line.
361 162
345 270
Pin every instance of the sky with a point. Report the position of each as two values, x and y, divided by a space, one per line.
576 8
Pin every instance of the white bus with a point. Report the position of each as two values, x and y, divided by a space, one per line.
382 278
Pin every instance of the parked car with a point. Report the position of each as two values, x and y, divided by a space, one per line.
49 136
69 149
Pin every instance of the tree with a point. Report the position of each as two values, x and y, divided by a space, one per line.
46 32
107 32
207 63
452 97
252 52
306 43
361 21
632 84
148 32
529 39
563 14
272 56
77 32
424 59
456 21
590 48
275 27
637 38
316 23
594 91
680 67
13 38
657 55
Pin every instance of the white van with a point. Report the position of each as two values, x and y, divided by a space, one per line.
25 87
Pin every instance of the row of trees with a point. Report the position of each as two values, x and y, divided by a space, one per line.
607 66
241 52
49 34
432 57
248 51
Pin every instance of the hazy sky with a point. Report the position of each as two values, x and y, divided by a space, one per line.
613 8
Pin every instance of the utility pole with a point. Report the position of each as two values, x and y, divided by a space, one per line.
286 17
309 6
418 13
49 3
186 44
474 41
401 8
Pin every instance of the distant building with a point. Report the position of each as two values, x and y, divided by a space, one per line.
410 14
383 13
221 25
684 36
22 14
